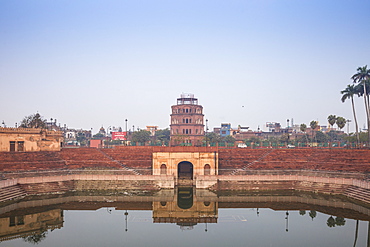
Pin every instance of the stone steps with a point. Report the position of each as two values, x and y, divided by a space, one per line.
11 192
358 193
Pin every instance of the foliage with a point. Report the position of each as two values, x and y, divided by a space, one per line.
33 121
314 124
341 122
363 137
302 212
229 139
312 214
303 127
332 119
340 221
98 136
36 238
141 136
254 139
330 222
81 138
113 142
163 135
321 137
212 138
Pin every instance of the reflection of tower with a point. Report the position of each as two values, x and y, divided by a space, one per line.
286 218
126 214
187 124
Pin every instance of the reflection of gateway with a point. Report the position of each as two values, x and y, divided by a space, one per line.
186 211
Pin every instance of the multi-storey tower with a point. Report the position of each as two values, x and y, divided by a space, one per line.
187 121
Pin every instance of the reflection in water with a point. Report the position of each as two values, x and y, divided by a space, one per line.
258 219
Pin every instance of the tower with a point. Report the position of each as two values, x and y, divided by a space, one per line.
187 122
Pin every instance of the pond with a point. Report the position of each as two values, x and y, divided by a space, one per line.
184 217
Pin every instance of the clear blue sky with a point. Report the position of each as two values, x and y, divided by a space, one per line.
94 63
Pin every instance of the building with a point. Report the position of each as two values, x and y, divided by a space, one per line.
187 122
29 140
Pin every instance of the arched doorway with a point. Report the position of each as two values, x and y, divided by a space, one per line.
185 170
207 169
163 169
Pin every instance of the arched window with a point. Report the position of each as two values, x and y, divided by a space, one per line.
207 169
163 169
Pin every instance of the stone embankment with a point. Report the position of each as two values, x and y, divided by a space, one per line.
239 168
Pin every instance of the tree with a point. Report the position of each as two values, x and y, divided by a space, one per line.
348 94
321 137
312 214
33 121
362 77
340 221
37 237
341 122
212 138
163 136
141 136
229 139
303 128
330 222
332 119
313 124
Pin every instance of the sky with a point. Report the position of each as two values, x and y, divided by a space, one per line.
91 63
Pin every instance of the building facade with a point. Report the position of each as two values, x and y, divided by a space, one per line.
29 140
187 122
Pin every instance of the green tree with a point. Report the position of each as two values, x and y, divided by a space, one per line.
312 214
341 122
303 128
141 136
313 124
321 137
81 138
33 121
212 137
340 221
330 222
362 77
36 238
302 212
98 136
229 139
332 119
163 136
348 93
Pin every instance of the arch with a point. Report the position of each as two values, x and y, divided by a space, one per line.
207 169
163 169
185 197
185 170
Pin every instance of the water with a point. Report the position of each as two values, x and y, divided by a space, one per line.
217 221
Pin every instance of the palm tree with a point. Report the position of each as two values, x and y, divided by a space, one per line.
361 77
341 122
303 128
332 119
314 124
348 94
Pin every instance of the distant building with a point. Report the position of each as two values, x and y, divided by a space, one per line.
225 129
273 127
152 129
187 121
29 140
96 143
